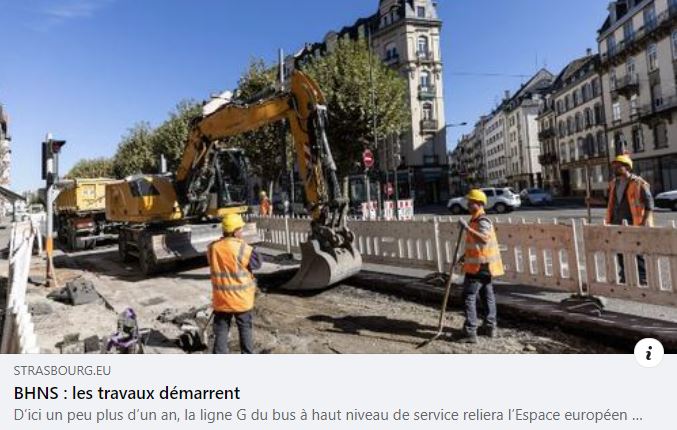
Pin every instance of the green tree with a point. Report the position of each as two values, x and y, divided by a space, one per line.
135 152
92 168
169 139
264 147
344 78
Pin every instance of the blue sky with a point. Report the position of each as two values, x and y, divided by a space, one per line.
87 70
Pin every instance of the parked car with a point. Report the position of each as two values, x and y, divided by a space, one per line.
501 200
536 196
667 200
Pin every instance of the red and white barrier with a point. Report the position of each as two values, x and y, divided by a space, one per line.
369 211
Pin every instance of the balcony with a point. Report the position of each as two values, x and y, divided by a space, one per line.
626 86
547 159
429 125
426 92
424 56
661 107
660 25
391 59
546 134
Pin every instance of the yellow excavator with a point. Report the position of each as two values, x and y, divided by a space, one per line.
168 218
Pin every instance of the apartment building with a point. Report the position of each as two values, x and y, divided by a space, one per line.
547 137
406 35
494 147
638 50
582 148
522 148
5 156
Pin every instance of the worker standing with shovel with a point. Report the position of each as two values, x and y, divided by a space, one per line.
481 263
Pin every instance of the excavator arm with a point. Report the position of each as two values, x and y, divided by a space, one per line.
329 255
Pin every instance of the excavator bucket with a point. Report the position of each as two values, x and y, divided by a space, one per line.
320 269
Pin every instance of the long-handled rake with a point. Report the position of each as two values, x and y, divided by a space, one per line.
447 291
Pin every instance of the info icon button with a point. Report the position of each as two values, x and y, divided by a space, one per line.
649 352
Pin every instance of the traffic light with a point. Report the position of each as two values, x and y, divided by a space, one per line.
50 159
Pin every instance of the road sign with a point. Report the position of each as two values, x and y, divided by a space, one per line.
389 190
368 159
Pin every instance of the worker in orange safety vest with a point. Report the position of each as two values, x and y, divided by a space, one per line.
231 263
265 207
481 263
631 203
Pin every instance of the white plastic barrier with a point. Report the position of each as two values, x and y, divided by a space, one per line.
405 210
541 255
18 335
369 210
658 247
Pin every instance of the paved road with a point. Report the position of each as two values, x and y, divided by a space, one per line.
662 217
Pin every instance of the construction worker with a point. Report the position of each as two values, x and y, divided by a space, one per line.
265 208
231 262
630 202
481 263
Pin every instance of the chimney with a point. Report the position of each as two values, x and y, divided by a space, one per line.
588 52
612 12
506 95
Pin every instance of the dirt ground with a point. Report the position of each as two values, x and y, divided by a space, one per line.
341 320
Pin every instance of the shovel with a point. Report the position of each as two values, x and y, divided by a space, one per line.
447 291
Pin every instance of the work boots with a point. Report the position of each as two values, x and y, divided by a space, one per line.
489 331
468 337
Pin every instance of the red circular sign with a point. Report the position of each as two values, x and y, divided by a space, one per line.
389 189
368 158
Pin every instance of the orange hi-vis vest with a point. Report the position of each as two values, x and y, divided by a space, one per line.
478 253
233 285
633 193
265 208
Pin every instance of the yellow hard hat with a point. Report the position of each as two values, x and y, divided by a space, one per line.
232 222
477 196
262 194
625 159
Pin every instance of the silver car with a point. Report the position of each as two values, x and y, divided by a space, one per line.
501 200
536 196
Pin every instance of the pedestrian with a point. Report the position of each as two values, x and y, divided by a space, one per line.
630 202
231 263
481 263
265 208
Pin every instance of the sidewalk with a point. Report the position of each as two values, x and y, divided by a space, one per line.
622 322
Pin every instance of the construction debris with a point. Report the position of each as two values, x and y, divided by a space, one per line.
77 292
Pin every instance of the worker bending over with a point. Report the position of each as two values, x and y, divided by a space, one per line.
630 201
231 262
481 263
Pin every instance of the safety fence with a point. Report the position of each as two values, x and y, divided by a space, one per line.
18 334
636 263
543 255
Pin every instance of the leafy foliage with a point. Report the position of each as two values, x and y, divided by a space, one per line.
135 152
171 136
92 168
345 76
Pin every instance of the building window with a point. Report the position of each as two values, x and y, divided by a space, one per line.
633 105
427 112
567 101
652 57
612 79
595 87
422 46
628 32
616 109
562 129
599 114
619 143
650 17
420 12
657 95
674 44
637 140
570 126
611 45
580 148
425 79
588 118
572 151
661 135
630 67
560 107
579 122
601 144
391 51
